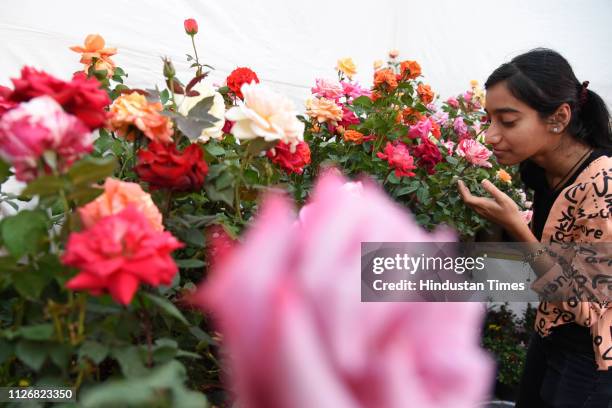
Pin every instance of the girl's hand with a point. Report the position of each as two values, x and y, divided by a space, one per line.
500 209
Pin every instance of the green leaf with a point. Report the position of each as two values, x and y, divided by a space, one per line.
193 236
363 102
423 219
5 171
130 361
31 353
166 307
256 146
251 177
24 232
60 355
201 335
37 332
146 390
31 282
214 149
164 96
6 350
190 263
227 195
225 180
201 109
191 127
452 160
94 351
92 169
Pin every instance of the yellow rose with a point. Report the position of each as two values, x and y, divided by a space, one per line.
473 83
378 64
347 66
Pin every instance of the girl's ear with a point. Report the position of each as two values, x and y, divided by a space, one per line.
558 121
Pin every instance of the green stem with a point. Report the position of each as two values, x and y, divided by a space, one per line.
199 71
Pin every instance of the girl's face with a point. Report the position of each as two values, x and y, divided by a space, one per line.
516 131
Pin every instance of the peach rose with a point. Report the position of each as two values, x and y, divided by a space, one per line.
377 64
94 48
413 68
133 110
504 176
394 53
323 110
347 66
385 76
353 136
116 197
425 93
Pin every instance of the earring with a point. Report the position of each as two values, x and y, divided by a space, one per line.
556 130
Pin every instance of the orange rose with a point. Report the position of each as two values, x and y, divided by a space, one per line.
411 116
133 110
374 96
435 130
385 76
353 136
425 93
323 110
410 69
94 48
116 197
504 176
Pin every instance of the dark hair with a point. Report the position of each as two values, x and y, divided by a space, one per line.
544 80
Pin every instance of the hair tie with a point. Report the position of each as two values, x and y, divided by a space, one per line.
584 93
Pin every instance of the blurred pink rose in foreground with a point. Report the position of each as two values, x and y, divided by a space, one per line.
295 329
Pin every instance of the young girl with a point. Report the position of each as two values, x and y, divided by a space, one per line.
551 123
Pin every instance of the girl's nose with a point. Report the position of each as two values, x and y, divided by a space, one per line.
492 136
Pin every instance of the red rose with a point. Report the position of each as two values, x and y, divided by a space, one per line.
428 154
219 244
118 253
164 167
191 26
5 103
239 77
290 162
227 126
81 97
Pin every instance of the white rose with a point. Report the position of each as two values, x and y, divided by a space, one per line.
266 114
217 110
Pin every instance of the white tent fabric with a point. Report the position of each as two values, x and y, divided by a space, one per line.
289 44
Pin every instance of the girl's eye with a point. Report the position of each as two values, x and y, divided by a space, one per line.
508 124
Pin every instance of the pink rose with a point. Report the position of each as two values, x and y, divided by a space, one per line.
460 127
399 158
453 102
441 118
352 90
119 253
41 130
474 152
449 146
467 96
328 89
421 129
288 302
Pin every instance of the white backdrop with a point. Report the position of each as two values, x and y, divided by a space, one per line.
289 44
